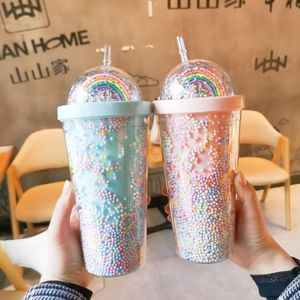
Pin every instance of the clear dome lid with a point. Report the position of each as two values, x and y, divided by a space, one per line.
104 84
194 79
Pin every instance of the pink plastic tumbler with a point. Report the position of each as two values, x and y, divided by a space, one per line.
199 120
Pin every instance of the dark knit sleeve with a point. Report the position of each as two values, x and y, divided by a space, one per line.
58 290
273 285
292 291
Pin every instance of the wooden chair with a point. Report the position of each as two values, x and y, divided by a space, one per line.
27 252
42 150
257 130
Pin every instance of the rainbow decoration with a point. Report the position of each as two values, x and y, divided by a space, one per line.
204 81
196 79
108 87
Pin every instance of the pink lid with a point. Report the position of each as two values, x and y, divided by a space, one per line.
194 105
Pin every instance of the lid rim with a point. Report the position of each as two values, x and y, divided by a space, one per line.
202 104
104 110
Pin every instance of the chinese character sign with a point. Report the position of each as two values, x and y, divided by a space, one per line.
23 15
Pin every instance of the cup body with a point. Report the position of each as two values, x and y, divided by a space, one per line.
200 151
108 166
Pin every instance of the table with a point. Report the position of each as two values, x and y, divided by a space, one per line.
156 178
6 154
155 157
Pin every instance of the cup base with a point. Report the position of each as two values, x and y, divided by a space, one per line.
117 275
204 262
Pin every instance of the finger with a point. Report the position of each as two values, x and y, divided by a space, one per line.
247 196
167 208
74 219
62 211
168 212
148 200
233 197
74 215
164 191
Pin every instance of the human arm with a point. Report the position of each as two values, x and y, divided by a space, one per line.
64 272
254 249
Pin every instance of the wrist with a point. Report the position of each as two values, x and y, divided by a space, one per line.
67 279
271 259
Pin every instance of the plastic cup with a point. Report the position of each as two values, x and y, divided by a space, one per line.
200 141
107 150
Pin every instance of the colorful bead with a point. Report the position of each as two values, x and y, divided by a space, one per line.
108 169
199 156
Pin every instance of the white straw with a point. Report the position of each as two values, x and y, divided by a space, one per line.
182 49
107 55
150 9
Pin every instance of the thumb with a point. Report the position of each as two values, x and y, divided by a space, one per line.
248 199
63 208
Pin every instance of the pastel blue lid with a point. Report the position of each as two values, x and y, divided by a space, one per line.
104 110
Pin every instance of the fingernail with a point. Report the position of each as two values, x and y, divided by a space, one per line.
242 180
66 188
